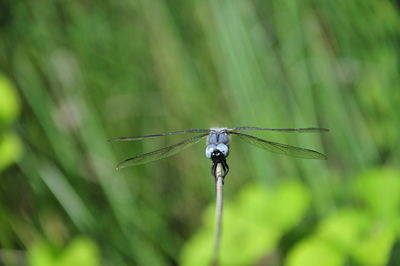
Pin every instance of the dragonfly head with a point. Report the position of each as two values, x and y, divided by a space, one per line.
217 152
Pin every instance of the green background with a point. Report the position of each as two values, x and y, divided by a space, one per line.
75 73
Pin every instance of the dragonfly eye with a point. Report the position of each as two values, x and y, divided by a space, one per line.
223 138
212 138
223 148
210 149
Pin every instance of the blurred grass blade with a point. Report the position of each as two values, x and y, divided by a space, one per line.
66 196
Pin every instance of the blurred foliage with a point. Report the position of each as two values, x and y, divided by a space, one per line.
75 73
9 102
363 232
10 146
80 252
258 216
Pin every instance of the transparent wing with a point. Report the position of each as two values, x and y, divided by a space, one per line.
161 153
309 129
281 148
159 135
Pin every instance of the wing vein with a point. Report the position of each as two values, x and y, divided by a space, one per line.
281 148
288 130
161 153
159 135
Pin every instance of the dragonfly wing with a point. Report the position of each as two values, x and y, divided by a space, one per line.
161 153
309 129
159 135
281 148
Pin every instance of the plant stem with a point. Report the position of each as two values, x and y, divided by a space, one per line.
219 185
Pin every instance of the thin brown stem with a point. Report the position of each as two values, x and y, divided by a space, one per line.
219 185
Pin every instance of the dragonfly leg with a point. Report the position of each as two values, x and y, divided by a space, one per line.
225 166
213 171
225 169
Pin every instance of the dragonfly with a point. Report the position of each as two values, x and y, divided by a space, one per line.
218 142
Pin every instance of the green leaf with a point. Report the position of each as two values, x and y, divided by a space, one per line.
343 230
10 150
379 190
246 237
9 101
375 248
315 252
337 236
82 251
41 254
292 201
